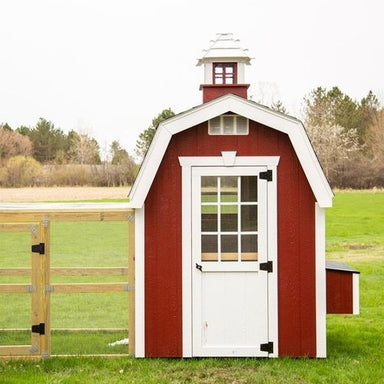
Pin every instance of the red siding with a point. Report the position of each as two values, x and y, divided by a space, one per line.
213 91
339 292
296 241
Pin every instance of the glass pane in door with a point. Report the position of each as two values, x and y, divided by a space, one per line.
249 188
229 218
249 248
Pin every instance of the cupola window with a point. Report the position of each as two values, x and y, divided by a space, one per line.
228 125
224 73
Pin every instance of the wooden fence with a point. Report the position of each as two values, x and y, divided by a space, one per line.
35 220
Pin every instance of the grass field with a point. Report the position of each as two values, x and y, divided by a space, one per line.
355 235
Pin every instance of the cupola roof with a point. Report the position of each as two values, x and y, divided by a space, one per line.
226 47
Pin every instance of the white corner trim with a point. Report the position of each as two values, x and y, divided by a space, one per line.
149 169
356 293
139 284
273 296
186 261
321 294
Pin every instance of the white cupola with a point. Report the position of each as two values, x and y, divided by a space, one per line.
224 68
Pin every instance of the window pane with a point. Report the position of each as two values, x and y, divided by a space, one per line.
249 248
249 218
218 79
215 126
229 221
209 218
228 128
228 191
228 79
209 248
229 247
218 69
208 189
249 188
229 70
241 125
228 124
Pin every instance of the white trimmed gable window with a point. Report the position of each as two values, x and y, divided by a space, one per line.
228 125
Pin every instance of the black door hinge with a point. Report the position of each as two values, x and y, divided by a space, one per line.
39 248
39 328
267 347
199 267
267 175
267 266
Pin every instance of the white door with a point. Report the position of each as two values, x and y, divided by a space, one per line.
229 244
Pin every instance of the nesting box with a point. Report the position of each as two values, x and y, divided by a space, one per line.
342 288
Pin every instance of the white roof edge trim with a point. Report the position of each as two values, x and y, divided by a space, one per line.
249 109
149 168
224 59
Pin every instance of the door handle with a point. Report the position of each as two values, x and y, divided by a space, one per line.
199 267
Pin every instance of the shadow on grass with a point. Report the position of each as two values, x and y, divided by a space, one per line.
353 336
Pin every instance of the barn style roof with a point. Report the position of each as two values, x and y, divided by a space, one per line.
249 109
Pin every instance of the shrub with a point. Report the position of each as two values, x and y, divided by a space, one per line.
70 174
21 171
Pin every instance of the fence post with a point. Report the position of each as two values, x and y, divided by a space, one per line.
46 282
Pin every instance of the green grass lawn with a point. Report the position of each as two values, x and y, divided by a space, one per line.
355 235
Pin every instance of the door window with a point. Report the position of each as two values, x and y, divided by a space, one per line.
229 218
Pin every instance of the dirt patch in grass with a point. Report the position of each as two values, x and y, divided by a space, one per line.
10 195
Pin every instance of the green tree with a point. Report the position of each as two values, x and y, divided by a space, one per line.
124 167
23 130
371 110
118 154
6 127
46 140
334 108
145 137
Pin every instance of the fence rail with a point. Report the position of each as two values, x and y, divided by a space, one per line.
69 271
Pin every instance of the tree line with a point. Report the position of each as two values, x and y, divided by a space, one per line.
45 155
347 134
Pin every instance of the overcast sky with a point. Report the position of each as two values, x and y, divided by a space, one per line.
107 67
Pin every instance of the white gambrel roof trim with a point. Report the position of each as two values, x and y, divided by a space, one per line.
249 109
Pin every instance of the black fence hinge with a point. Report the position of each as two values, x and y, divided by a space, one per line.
39 248
267 175
267 347
39 328
267 266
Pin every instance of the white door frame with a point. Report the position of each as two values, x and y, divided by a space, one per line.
227 159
